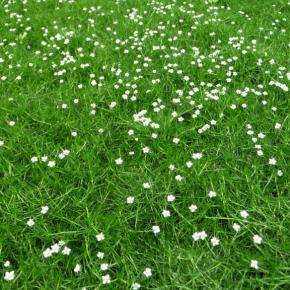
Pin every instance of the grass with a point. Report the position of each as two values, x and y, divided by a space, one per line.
188 64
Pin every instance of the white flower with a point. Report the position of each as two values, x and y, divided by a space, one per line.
9 276
51 163
178 177
44 158
146 150
212 194
77 268
156 230
66 251
93 83
166 213
147 272
7 264
176 140
261 135
193 208
279 172
278 126
130 199
44 209
74 134
272 161
254 264
199 236
244 214
170 198
257 239
236 227
61 243
47 253
34 159
55 248
196 156
119 161
100 255
195 236
113 105
63 154
146 185
203 235
104 267
1 142
11 123
136 286
30 222
106 279
100 237
189 164
214 241
171 167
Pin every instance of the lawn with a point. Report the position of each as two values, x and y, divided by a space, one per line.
144 144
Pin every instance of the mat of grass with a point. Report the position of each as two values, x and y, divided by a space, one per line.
144 144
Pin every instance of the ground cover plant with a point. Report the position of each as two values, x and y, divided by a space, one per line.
144 144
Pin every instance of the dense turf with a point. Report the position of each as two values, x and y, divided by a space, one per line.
144 144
